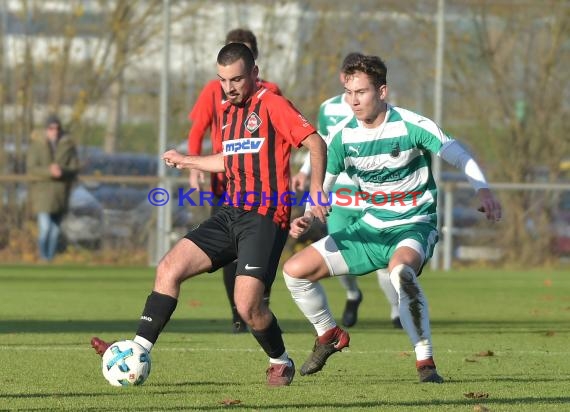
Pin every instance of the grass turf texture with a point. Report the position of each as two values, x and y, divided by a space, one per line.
500 337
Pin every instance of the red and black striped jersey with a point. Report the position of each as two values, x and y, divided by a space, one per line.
256 142
204 116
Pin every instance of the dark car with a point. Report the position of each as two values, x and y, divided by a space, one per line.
82 225
116 214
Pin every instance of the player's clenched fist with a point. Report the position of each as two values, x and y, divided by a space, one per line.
173 159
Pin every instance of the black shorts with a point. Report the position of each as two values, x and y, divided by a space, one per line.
256 241
216 205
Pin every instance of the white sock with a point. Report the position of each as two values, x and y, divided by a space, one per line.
350 284
311 299
413 301
423 350
389 292
143 342
281 360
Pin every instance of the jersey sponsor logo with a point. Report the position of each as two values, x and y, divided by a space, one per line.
252 122
385 175
242 146
147 318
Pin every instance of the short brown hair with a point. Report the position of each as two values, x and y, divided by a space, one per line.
372 66
243 36
350 58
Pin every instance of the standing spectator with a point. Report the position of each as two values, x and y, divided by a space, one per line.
334 114
52 159
386 149
204 116
258 129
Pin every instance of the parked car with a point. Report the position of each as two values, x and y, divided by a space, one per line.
82 224
116 214
466 218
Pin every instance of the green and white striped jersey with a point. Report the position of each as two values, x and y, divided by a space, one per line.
334 114
392 166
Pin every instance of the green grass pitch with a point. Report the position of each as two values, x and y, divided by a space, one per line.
501 341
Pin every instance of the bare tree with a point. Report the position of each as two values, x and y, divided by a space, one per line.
516 63
120 25
124 37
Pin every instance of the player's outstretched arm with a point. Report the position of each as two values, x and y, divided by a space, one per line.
318 152
453 153
209 163
489 205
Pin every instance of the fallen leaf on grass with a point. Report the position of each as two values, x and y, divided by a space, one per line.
485 353
228 402
194 303
550 333
481 408
476 395
404 354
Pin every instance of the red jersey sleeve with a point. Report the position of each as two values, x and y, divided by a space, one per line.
202 116
288 120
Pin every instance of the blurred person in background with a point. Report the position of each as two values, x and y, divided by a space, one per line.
53 161
204 116
334 114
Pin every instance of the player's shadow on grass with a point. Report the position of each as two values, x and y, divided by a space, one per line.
287 325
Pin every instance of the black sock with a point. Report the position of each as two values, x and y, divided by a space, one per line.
270 339
156 315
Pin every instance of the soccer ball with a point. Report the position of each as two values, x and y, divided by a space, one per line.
126 363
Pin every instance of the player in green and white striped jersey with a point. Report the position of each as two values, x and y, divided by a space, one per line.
386 151
334 114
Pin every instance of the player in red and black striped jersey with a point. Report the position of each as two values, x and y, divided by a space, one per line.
205 115
256 180
258 130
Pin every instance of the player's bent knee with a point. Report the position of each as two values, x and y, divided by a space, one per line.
167 275
403 274
293 267
245 312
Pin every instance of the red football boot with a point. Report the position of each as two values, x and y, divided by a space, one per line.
99 345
